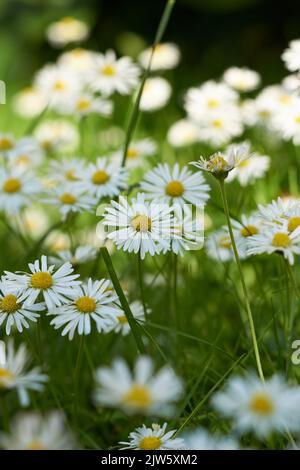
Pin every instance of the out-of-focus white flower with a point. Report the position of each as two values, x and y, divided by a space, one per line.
57 135
66 170
57 241
250 169
287 123
219 247
175 185
66 31
166 56
249 226
81 255
182 133
154 438
85 103
70 199
272 101
109 74
78 60
32 431
281 212
241 78
122 325
156 94
200 439
26 153
220 127
17 189
7 143
29 102
54 286
291 56
136 152
260 407
14 373
140 392
35 221
292 82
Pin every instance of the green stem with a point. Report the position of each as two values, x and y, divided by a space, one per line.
141 283
77 373
245 291
135 110
123 301
174 290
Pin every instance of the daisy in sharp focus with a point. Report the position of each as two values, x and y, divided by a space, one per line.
33 431
15 313
166 56
200 439
156 94
291 56
141 392
276 239
92 301
17 189
103 178
260 407
54 286
175 185
81 255
70 199
221 163
14 373
109 74
136 152
155 438
139 226
241 79
250 169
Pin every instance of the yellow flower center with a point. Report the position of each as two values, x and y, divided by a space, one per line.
100 177
297 119
175 189
23 160
132 153
217 164
41 280
138 397
85 304
225 242
59 85
217 123
281 240
35 445
141 223
12 185
150 443
108 70
244 163
294 223
4 376
249 230
9 303
212 103
123 319
6 143
83 104
284 99
261 404
70 175
68 198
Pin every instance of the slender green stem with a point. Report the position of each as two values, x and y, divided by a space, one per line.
174 290
293 280
141 283
77 373
245 291
123 301
135 110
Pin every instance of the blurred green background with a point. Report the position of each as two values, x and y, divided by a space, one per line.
213 34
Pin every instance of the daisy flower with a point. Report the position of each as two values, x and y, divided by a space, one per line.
189 230
292 82
287 124
156 94
104 178
16 313
220 127
90 301
154 438
81 255
140 226
219 247
29 102
66 170
200 439
140 392
17 189
241 79
70 199
14 373
78 60
67 30
281 211
271 102
33 431
54 286
27 153
291 56
136 152
175 185
122 325
83 104
249 226
34 221
220 164
250 170
183 133
7 143
276 239
260 407
110 74
57 135
166 56
57 84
